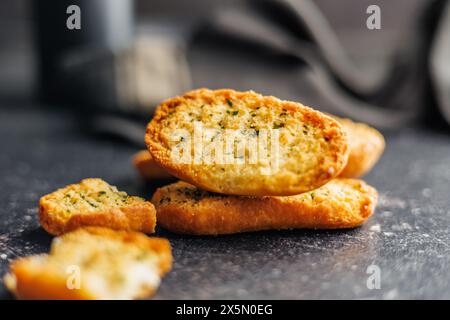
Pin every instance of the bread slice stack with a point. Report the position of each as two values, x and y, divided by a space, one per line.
302 177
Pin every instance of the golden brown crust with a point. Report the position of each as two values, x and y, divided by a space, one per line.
366 147
342 203
147 167
313 148
39 277
134 214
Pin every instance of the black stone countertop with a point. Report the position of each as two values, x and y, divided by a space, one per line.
408 238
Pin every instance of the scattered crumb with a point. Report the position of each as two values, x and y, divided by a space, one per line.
392 294
401 227
387 201
427 192
31 211
386 214
375 228
276 272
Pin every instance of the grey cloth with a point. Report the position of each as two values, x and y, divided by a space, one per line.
298 28
440 64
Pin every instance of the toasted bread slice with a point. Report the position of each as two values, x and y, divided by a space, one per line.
93 263
281 147
147 167
366 147
93 202
341 203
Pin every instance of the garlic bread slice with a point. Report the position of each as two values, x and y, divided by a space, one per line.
243 143
93 202
186 209
93 263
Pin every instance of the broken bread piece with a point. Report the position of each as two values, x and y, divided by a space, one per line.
147 167
341 203
93 202
243 143
366 147
93 263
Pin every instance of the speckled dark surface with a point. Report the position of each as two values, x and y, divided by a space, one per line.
408 238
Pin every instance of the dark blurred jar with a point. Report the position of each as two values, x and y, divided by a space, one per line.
66 57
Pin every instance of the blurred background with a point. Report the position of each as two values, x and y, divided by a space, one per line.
129 55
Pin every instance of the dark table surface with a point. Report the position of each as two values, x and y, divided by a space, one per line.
408 238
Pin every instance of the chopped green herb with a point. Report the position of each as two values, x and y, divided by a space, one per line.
91 204
278 125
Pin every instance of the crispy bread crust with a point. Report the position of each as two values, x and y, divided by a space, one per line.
366 147
29 280
139 216
147 167
329 156
342 203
